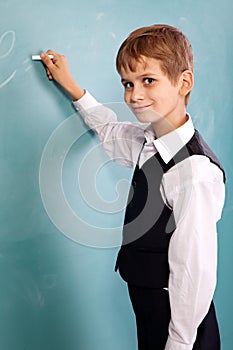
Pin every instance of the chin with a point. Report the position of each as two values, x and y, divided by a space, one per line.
148 116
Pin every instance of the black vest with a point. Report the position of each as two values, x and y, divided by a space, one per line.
149 223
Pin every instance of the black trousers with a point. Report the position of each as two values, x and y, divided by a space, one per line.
152 311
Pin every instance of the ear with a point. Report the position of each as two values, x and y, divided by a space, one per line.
186 82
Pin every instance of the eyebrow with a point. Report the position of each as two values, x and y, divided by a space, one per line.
144 75
147 74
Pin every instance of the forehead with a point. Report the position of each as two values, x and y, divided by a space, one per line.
142 65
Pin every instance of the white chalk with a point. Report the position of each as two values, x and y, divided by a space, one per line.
37 57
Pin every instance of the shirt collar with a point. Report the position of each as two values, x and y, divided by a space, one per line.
169 144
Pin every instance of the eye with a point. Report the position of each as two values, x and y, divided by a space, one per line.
149 81
127 84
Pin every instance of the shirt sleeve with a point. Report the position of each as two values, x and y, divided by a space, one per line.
122 141
194 188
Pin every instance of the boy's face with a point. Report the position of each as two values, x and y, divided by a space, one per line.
150 94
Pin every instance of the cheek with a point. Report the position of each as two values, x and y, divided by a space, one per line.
126 97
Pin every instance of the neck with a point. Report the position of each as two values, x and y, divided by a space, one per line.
165 125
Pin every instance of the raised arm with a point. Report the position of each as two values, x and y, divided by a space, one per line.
121 140
58 69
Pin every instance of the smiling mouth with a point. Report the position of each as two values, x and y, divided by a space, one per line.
138 109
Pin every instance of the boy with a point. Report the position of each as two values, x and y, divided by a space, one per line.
169 252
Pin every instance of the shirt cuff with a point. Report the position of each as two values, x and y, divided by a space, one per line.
87 101
174 345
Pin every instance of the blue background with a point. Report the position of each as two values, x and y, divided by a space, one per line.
58 290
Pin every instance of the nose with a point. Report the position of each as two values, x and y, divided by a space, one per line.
136 94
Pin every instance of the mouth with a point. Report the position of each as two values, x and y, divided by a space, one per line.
139 109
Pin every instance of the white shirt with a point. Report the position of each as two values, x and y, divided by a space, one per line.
194 189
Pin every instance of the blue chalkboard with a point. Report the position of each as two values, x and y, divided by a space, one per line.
62 201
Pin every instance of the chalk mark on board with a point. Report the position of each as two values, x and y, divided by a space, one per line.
99 16
29 67
3 36
4 55
5 82
113 35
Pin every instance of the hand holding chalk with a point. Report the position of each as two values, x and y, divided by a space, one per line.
57 68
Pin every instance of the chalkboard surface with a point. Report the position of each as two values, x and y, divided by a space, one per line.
62 201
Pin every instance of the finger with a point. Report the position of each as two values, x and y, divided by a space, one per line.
49 74
56 55
46 60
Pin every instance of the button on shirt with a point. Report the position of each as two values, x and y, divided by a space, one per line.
194 189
